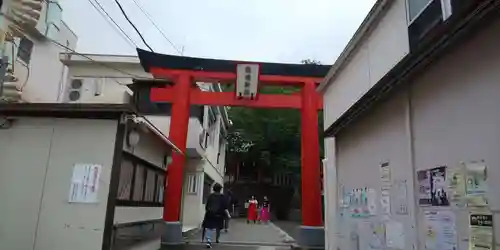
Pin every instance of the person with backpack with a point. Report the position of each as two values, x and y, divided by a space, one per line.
216 209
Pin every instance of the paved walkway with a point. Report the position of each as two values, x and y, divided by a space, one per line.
290 227
252 235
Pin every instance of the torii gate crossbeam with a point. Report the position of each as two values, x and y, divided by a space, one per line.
184 72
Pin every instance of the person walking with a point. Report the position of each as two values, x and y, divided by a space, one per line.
215 211
252 210
229 200
265 213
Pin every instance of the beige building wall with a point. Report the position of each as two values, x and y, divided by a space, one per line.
37 156
381 48
447 115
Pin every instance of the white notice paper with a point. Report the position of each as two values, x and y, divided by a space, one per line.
85 183
440 230
371 197
395 236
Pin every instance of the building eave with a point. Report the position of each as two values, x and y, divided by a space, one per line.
71 58
151 127
414 63
376 12
65 110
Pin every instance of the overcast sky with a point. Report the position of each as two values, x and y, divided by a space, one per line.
256 30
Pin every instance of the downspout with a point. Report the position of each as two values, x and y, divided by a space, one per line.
330 194
411 156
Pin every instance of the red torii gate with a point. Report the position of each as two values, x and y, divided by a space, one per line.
183 72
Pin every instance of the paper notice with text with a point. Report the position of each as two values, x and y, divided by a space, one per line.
85 183
481 231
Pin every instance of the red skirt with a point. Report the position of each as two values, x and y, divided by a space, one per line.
252 211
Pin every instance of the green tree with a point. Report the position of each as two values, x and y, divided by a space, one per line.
268 138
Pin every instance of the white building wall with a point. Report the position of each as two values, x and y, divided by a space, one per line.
116 76
447 116
380 50
192 201
41 80
35 213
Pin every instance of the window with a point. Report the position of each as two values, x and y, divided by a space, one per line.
221 147
140 183
207 187
24 50
192 184
211 117
415 7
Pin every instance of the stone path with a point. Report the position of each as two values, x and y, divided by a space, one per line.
226 247
251 235
290 227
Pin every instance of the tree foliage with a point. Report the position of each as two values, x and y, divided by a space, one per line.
268 138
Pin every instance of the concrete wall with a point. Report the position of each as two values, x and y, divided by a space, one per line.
380 50
447 115
36 164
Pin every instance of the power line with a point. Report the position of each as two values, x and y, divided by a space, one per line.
109 19
150 18
133 26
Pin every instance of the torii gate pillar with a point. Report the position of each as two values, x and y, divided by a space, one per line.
311 232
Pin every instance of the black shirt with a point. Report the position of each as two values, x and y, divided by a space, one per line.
265 204
217 201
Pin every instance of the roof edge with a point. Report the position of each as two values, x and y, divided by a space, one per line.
151 127
370 20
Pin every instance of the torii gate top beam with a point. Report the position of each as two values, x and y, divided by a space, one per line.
223 71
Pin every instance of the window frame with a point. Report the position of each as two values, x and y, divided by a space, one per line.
410 20
192 183
136 195
22 52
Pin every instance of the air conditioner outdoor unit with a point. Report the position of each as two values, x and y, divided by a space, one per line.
93 90
74 90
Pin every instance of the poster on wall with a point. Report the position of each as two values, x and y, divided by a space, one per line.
385 186
438 187
432 187
424 187
364 202
371 235
456 185
400 195
385 176
371 201
394 235
440 230
385 203
475 184
481 235
84 183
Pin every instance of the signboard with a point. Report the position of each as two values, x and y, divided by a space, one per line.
247 80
